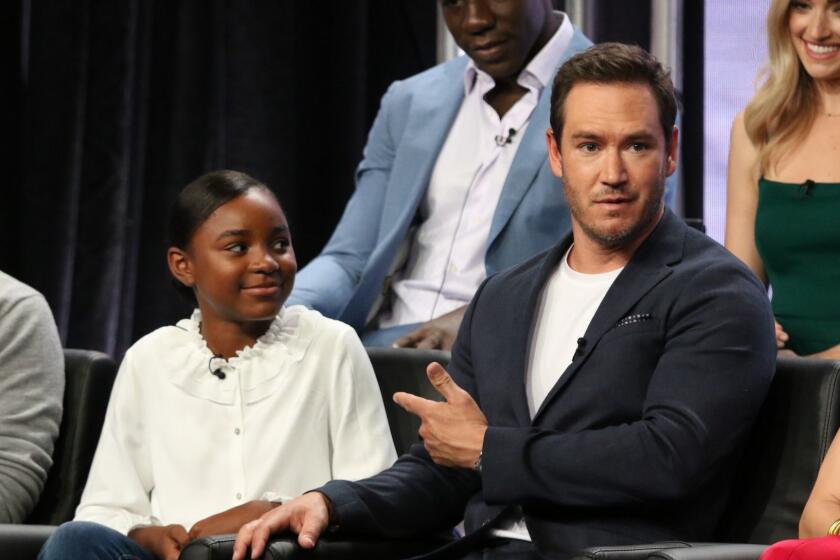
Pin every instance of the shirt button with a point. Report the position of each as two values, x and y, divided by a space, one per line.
236 431
238 496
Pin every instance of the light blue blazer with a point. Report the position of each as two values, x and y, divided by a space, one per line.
413 122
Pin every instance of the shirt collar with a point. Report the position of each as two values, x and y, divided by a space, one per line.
540 70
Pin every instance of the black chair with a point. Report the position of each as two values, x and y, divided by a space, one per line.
780 464
89 376
399 369
396 370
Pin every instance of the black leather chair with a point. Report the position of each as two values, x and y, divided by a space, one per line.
396 370
404 370
89 376
780 464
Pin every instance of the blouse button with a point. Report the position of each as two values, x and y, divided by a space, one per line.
236 431
238 496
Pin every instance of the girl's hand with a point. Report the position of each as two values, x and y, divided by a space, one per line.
229 521
781 336
164 542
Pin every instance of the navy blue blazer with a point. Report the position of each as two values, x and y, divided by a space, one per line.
638 441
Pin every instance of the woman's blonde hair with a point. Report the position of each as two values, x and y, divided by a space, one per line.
786 104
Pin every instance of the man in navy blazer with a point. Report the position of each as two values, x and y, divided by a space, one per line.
374 238
599 393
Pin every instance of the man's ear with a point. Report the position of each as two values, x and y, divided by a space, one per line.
180 266
672 152
555 160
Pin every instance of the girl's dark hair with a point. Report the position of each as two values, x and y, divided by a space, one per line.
201 197
197 201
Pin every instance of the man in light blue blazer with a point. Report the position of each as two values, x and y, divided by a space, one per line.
354 271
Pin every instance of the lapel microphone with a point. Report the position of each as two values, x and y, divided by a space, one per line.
217 371
502 140
581 348
806 187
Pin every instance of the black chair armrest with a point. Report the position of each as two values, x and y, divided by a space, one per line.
23 542
627 552
712 552
674 550
329 547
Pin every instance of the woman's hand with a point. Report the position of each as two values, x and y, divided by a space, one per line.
229 521
164 542
781 336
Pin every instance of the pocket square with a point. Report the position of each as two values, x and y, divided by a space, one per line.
632 319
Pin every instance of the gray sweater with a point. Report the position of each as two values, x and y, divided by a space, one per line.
31 393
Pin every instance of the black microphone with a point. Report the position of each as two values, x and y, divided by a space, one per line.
581 348
217 371
806 187
502 140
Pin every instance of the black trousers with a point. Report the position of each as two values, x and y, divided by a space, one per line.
504 549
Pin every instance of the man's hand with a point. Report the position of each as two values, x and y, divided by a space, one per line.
307 515
452 431
165 543
436 334
230 520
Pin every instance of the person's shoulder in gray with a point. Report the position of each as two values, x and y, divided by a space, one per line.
31 393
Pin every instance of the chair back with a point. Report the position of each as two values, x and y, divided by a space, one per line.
89 376
404 369
790 439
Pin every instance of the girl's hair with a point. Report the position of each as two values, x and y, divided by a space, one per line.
786 104
197 201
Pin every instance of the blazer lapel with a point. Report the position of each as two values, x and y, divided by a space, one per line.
429 120
529 158
521 341
532 154
647 268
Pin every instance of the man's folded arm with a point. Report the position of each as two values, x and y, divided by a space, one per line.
703 397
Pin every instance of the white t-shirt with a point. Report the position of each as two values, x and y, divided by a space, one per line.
566 307
295 410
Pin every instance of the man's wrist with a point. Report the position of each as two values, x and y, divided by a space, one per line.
477 464
332 518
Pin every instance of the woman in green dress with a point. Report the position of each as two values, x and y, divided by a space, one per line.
783 192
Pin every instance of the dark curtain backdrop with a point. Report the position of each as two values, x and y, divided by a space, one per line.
112 106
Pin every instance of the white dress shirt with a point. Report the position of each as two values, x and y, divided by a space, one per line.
295 410
446 261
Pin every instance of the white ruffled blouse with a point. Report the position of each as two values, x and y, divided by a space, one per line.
298 408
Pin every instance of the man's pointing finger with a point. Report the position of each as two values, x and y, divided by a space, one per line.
412 403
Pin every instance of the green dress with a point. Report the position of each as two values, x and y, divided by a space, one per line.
797 232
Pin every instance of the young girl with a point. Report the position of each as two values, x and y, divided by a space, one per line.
245 404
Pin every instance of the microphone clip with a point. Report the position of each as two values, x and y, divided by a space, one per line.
217 370
806 188
502 140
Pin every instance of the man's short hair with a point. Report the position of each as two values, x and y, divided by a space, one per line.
609 63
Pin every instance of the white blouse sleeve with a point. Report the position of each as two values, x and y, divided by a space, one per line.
117 493
360 438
